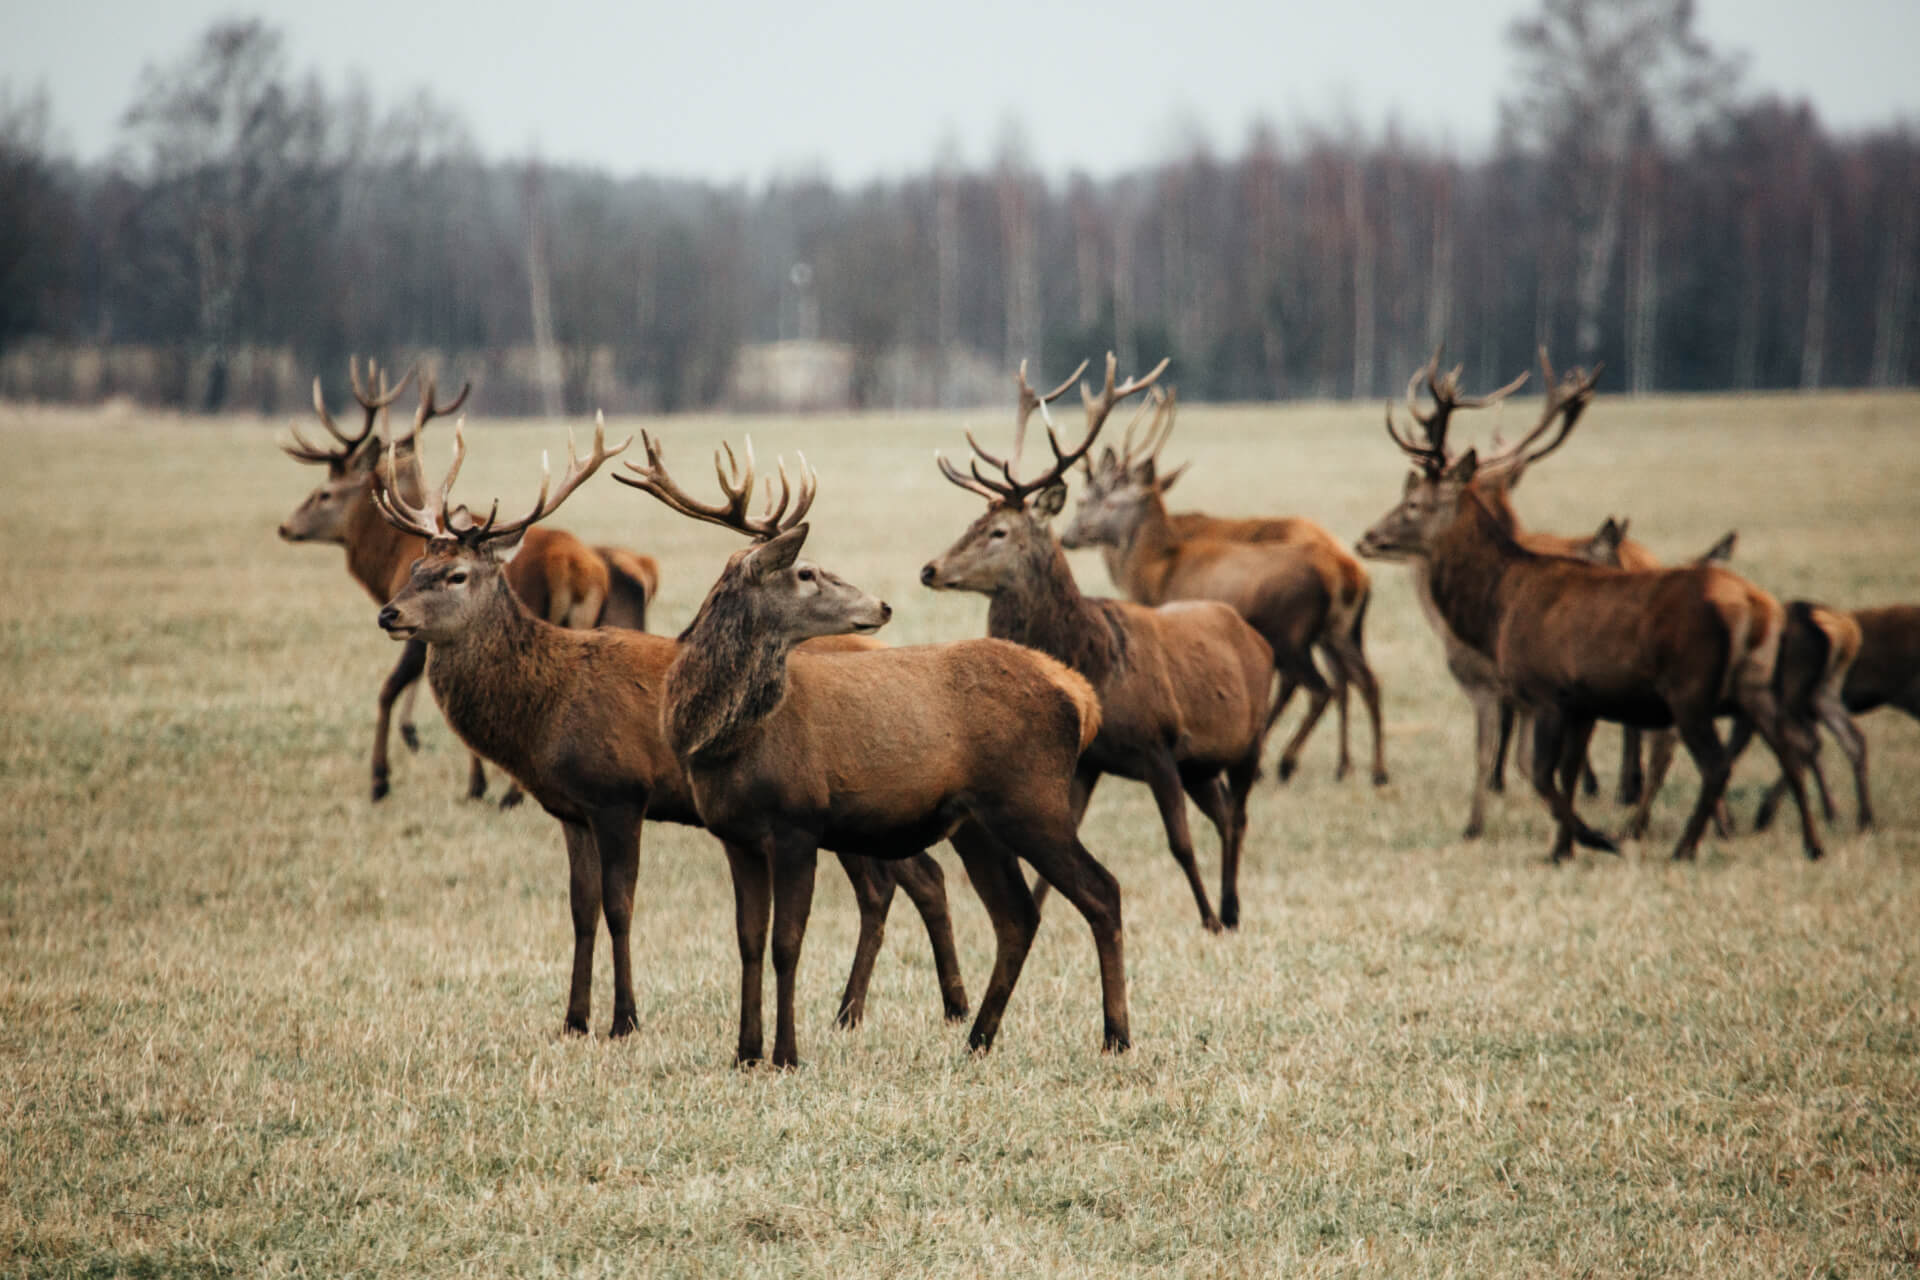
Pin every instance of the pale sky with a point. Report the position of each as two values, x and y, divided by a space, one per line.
858 89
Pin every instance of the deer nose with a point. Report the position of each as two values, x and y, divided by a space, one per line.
886 611
926 574
388 617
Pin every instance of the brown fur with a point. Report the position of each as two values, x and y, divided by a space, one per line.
1183 686
574 717
870 753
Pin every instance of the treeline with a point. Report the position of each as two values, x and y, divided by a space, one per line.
256 229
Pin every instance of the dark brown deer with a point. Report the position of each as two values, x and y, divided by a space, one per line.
785 752
1323 608
574 717
556 575
1183 688
1838 665
1573 642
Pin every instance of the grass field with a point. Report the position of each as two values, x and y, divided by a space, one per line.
250 1022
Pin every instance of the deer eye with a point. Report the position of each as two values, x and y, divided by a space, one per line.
457 577
804 575
998 533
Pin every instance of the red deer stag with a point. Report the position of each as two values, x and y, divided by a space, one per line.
1162 558
1183 688
785 752
1573 642
555 574
574 717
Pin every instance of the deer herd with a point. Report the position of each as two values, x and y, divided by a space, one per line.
778 722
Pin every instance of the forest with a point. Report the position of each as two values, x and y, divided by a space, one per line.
1641 206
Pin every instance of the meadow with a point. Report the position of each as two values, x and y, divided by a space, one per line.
251 1022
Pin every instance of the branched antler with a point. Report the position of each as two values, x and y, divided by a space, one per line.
437 518
429 407
736 482
1567 399
1009 487
1433 423
371 403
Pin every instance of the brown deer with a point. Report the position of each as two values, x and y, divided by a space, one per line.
557 576
786 752
1573 642
575 718
1162 559
1183 687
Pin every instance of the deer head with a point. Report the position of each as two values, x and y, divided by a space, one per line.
766 591
1120 489
1434 489
1014 532
327 514
459 574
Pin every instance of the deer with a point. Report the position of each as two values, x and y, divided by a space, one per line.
787 752
574 717
1183 686
556 575
1156 557
1572 642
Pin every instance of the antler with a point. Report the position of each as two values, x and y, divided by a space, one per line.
736 482
436 518
371 403
1010 487
1567 399
1159 428
429 408
1445 390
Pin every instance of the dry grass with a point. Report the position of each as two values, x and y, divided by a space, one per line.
251 1023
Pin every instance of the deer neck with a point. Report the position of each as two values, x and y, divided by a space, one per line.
1042 608
499 680
1147 556
730 675
1468 571
377 553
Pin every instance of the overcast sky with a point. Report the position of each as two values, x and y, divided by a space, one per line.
746 89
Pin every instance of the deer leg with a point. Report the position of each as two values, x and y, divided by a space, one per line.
925 884
1306 674
1555 739
409 734
752 909
1575 756
873 885
1048 843
1833 714
1353 660
1085 779
584 884
413 661
1338 682
616 833
1703 744
1509 721
1492 717
1209 791
995 873
1588 780
1163 779
1660 747
794 862
476 778
1633 780
1758 701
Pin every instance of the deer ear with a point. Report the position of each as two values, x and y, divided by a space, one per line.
778 552
1463 470
1167 481
1050 500
505 549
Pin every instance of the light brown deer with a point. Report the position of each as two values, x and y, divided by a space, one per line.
558 577
787 752
1573 642
1183 688
575 718
1300 590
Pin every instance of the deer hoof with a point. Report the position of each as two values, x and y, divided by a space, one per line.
1341 770
956 1008
624 1023
1116 1041
411 737
1815 853
576 1025
380 789
1287 767
1379 778
1211 924
849 1017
